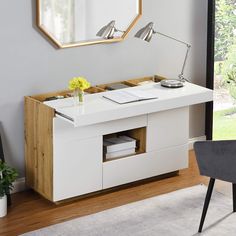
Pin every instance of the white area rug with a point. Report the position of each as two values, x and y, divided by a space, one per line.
174 214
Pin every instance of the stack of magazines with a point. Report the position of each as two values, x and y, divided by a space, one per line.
117 147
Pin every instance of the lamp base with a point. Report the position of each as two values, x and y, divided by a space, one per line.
172 83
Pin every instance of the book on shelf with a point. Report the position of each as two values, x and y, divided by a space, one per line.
127 96
119 143
123 153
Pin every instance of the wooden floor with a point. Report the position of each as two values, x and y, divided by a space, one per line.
30 212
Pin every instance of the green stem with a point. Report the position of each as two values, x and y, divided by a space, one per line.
81 96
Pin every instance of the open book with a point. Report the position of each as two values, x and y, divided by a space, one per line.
122 96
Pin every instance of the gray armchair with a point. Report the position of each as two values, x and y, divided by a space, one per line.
217 160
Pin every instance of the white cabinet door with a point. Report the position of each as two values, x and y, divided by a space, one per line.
77 167
167 129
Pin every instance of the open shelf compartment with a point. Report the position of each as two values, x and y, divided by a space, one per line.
98 88
140 81
108 87
139 134
65 93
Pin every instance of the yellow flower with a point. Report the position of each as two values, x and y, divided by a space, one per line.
79 83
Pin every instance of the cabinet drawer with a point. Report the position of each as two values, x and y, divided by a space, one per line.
143 166
168 128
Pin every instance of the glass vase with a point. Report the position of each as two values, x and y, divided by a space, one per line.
78 96
81 96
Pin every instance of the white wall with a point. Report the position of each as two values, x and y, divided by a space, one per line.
29 64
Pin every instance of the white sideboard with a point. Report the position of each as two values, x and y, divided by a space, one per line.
64 143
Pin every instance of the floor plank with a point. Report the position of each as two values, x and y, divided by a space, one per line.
29 211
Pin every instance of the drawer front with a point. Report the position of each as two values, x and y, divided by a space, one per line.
77 167
65 129
168 128
143 166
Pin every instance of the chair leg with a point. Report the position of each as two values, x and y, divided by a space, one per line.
234 197
206 203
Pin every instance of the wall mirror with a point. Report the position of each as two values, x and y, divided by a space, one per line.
71 23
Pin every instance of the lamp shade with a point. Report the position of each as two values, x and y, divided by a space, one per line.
146 32
107 32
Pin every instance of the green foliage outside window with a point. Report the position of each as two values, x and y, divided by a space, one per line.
225 24
229 71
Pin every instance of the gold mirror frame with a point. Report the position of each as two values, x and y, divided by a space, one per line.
69 45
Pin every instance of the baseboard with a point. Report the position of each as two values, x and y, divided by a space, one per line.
193 140
19 184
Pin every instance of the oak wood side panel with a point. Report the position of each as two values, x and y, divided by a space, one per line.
139 134
39 146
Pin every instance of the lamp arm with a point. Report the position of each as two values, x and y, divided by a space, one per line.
181 75
170 37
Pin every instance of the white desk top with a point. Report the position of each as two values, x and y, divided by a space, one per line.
97 109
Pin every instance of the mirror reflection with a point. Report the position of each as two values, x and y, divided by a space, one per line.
76 22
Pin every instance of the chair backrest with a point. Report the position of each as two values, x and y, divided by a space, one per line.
217 159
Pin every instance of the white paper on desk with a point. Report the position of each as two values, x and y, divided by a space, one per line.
122 97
